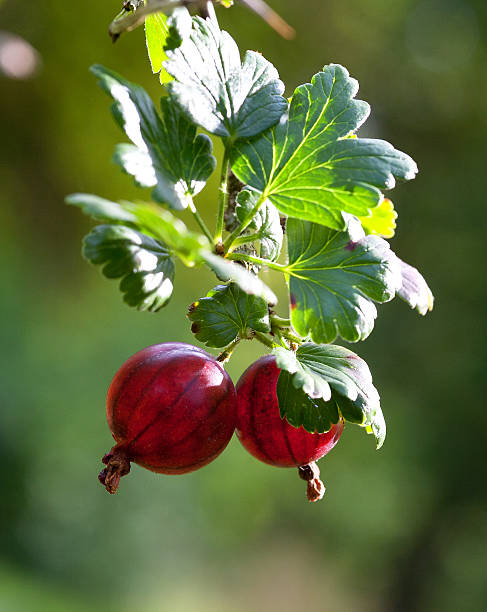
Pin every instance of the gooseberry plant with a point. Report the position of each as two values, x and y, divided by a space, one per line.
299 193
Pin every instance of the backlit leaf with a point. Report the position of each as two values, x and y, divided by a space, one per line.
170 156
144 264
381 221
156 33
218 91
309 168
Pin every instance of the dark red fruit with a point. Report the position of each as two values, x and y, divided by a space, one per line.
171 409
271 439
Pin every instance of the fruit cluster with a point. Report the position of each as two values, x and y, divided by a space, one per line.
300 194
172 408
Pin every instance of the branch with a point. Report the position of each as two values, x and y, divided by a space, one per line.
128 19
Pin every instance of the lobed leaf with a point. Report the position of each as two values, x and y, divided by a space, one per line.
309 167
217 91
227 313
319 384
163 225
160 224
193 249
168 154
334 279
144 264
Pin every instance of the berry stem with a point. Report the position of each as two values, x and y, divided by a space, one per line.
225 355
311 473
118 465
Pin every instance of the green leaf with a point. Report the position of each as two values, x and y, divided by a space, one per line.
414 289
101 209
160 224
163 225
248 282
265 226
325 379
192 248
315 415
163 33
137 163
217 91
156 33
381 221
308 167
171 157
227 313
143 264
334 276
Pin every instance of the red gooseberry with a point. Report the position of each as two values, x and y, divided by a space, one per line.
272 439
171 408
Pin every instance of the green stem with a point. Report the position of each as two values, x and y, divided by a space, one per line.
264 339
256 260
278 334
291 337
280 322
200 222
229 242
244 240
222 196
225 355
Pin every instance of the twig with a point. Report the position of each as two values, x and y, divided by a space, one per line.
270 16
127 21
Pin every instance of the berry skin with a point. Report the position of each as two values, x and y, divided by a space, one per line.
271 439
171 408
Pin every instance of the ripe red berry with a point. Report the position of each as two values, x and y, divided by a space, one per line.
171 409
271 439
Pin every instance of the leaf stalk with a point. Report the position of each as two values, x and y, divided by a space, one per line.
264 340
222 197
200 222
280 322
260 261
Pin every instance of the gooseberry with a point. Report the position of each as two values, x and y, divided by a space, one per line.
171 408
271 439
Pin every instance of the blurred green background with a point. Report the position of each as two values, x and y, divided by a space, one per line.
402 529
